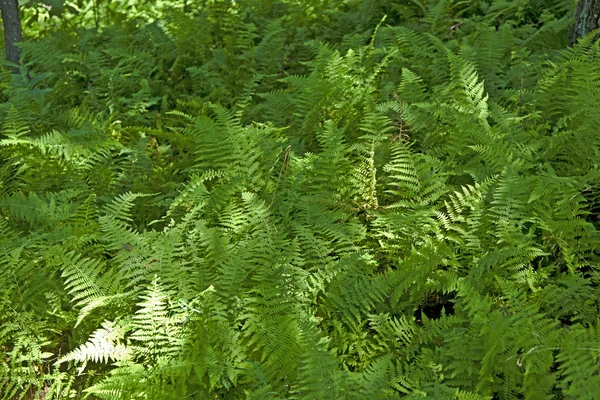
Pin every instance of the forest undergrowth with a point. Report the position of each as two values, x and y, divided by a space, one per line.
284 199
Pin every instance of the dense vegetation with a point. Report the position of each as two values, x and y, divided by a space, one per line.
285 199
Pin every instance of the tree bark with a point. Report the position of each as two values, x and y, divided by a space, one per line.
12 30
588 19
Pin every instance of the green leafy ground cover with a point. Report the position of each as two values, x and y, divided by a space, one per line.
291 199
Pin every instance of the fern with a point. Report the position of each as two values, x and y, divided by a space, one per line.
280 199
103 346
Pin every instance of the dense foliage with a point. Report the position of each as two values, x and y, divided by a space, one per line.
254 199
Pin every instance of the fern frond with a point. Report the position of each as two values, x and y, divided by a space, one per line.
104 345
156 333
319 372
120 208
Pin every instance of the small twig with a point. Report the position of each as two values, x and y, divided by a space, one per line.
453 27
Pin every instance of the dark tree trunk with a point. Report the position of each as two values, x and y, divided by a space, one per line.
588 19
12 30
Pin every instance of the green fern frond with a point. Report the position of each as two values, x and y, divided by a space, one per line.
469 90
120 208
15 126
319 373
104 345
578 367
375 382
86 279
156 333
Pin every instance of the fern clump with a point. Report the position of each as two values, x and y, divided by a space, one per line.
300 200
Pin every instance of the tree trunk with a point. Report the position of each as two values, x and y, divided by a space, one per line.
12 30
588 19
